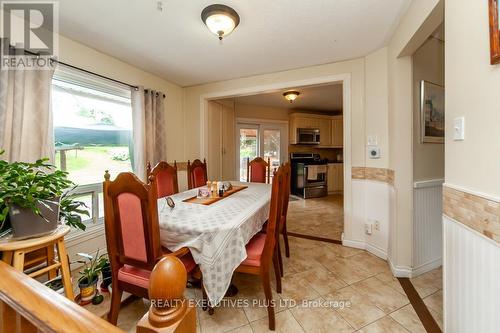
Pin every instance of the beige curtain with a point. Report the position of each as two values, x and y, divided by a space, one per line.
149 133
26 131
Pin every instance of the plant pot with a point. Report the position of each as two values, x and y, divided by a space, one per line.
106 277
87 290
26 224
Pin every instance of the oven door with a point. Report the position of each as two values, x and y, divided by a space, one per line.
319 181
308 136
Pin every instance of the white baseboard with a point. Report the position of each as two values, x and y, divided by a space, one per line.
429 266
376 251
353 243
400 271
364 246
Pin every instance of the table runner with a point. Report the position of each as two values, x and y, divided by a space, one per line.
215 234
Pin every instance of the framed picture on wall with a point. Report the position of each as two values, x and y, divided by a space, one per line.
432 112
494 31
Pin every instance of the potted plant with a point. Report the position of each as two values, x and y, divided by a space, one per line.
90 275
106 276
35 197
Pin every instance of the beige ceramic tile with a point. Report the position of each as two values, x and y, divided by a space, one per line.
322 281
320 319
370 263
296 287
408 318
255 302
224 319
383 296
358 310
428 283
285 323
435 301
242 329
391 281
384 325
347 270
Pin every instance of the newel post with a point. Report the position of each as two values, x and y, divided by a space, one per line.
170 311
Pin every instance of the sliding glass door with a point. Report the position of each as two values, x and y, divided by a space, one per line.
267 140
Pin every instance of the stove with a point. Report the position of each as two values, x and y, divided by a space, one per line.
309 175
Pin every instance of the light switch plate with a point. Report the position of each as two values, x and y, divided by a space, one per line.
459 129
374 152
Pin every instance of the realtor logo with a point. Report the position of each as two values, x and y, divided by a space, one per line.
31 26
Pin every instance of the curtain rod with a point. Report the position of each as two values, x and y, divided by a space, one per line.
84 70
89 72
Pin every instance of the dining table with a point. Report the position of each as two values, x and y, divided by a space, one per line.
217 233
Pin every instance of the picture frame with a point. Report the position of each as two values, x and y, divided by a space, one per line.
432 112
494 8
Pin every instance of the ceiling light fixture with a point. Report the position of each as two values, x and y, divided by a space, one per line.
221 20
291 95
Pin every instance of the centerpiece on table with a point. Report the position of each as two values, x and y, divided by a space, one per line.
35 197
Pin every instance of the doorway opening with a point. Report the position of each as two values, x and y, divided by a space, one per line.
267 125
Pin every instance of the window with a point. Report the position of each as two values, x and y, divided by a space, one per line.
92 132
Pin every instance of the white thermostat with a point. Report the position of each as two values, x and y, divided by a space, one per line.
373 152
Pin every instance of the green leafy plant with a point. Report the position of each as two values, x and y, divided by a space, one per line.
28 185
93 267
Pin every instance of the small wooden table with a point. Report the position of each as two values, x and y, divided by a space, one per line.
14 252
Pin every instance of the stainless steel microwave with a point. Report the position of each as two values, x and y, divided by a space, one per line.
308 136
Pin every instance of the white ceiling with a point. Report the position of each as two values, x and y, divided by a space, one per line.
272 36
319 98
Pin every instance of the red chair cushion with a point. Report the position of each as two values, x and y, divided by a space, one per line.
164 184
135 276
257 173
199 177
140 277
254 250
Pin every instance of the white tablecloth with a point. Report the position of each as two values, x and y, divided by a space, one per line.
216 234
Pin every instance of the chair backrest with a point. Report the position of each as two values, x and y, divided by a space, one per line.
131 222
285 195
274 217
165 177
197 173
258 170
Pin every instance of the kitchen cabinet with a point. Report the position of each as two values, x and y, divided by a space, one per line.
337 130
331 128
335 177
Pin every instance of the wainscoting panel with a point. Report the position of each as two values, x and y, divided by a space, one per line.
471 280
427 226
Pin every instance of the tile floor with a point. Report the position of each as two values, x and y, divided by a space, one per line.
326 288
321 217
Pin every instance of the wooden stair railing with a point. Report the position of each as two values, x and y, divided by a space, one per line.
170 312
26 306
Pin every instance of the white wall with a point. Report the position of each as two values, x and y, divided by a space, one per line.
421 19
471 261
471 274
428 65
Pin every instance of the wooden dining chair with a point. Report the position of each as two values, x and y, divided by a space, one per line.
133 236
258 170
197 173
165 177
285 197
261 252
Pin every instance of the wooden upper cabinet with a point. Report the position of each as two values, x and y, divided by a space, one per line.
325 133
331 128
337 131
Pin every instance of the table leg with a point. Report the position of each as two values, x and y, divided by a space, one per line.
65 272
18 260
7 257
